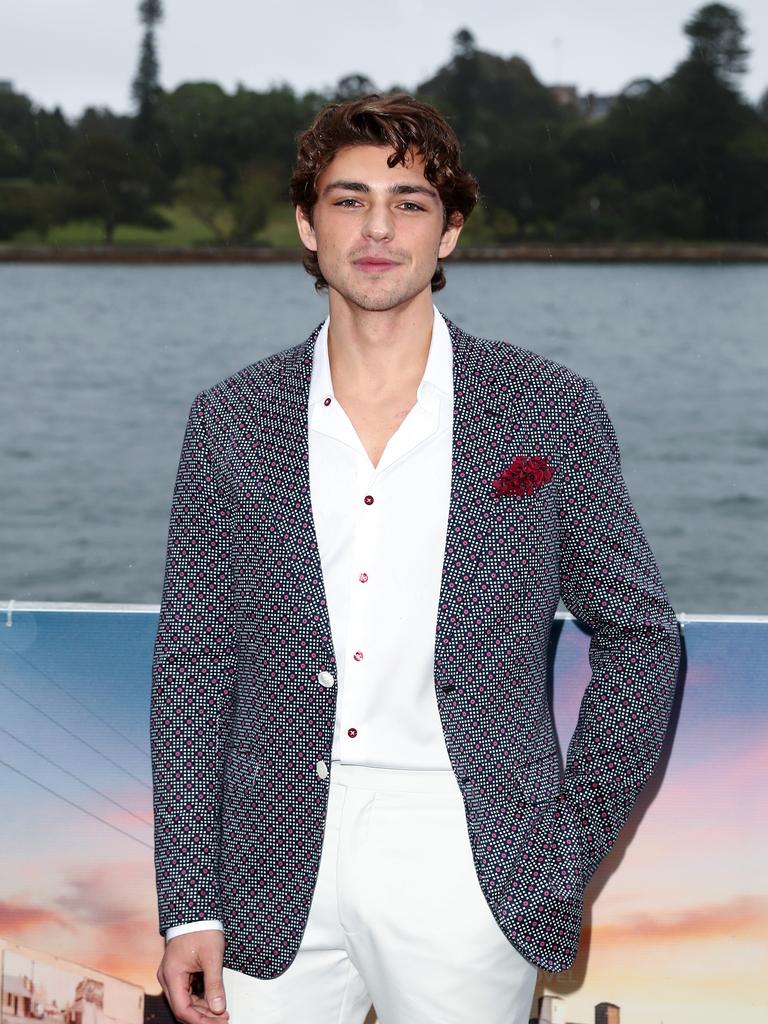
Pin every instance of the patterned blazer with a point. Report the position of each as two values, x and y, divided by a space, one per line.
239 720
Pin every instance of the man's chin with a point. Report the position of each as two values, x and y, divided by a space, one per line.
378 299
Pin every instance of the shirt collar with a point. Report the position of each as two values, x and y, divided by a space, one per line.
438 372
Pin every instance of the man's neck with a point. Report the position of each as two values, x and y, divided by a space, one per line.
379 353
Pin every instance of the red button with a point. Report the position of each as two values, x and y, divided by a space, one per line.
358 655
368 499
351 733
363 577
327 401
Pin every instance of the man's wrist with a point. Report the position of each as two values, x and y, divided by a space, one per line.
192 926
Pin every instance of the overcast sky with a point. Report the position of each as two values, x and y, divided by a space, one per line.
76 53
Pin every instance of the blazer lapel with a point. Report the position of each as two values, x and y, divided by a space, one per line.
285 481
478 437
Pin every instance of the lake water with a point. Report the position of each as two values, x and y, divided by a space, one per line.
99 365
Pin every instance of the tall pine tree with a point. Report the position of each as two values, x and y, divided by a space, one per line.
146 88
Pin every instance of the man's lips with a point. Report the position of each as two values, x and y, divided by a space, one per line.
374 263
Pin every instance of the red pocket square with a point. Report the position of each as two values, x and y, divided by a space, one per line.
524 475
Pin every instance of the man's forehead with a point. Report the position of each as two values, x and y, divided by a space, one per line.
369 160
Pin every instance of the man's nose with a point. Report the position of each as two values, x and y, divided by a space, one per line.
378 225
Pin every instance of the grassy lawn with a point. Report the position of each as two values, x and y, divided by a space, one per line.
186 230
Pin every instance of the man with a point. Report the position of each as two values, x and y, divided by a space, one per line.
358 794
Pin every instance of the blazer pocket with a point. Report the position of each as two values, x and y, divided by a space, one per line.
540 503
540 779
242 768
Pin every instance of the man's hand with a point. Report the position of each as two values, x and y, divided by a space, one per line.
186 955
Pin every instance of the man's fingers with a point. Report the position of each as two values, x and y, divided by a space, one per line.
181 999
201 1005
211 962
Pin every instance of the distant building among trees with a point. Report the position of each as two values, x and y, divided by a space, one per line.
590 105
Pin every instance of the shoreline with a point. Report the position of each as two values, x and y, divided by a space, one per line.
614 253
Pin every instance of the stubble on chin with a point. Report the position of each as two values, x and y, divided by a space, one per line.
375 296
377 301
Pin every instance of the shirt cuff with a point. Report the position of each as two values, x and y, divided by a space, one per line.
193 926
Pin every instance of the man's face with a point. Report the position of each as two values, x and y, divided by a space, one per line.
377 230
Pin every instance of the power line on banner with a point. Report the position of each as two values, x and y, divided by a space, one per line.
83 705
72 803
83 782
74 735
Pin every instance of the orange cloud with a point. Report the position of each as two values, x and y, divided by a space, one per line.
18 919
741 917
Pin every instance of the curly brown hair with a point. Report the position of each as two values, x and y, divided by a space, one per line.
400 122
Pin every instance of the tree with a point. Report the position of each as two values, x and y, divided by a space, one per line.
717 41
350 87
197 120
100 121
463 43
26 204
237 218
200 189
252 198
146 88
510 128
17 207
26 131
114 182
12 160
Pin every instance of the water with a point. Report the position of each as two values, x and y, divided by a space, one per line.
99 366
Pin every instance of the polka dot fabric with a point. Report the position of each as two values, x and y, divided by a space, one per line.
240 720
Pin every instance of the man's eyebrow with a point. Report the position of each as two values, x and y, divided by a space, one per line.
360 186
346 186
406 190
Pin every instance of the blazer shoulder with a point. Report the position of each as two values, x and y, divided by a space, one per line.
257 379
515 369
547 374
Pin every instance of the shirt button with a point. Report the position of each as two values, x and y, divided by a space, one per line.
325 679
363 577
322 770
358 655
368 499
351 733
326 401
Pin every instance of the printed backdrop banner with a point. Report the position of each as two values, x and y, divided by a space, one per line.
675 921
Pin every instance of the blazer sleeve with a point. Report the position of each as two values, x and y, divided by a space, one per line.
192 668
610 582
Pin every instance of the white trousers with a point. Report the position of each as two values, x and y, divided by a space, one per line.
398 918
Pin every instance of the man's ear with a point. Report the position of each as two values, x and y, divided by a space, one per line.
306 231
450 235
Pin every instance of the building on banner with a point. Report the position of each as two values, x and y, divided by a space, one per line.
37 986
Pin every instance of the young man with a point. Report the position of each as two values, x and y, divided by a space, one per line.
358 794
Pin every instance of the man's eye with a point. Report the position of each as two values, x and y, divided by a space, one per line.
411 206
346 202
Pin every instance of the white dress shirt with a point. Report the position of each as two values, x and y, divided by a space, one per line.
382 564
381 536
